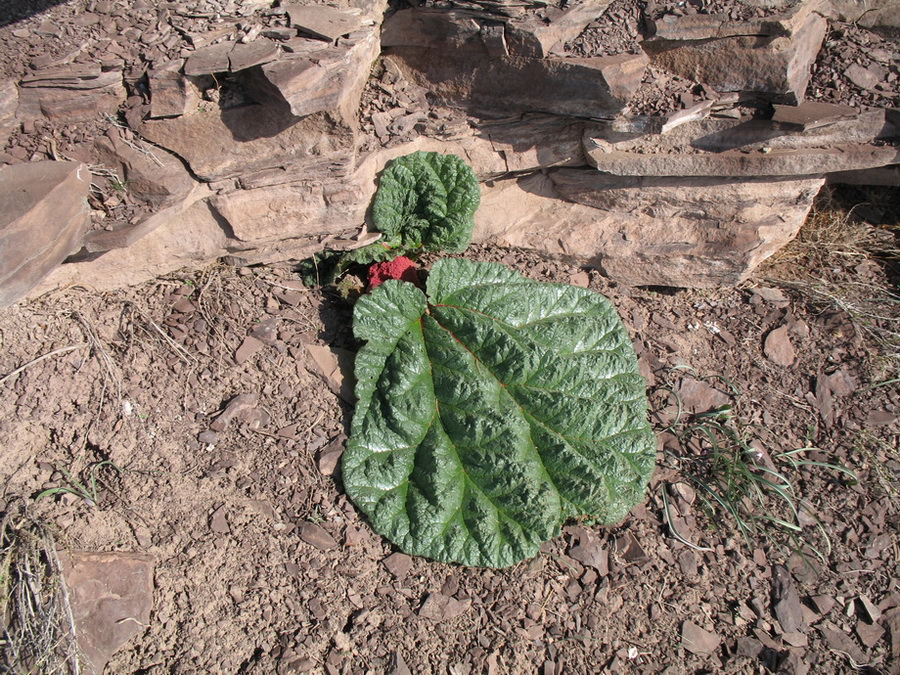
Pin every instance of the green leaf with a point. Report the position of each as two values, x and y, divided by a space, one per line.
490 412
427 200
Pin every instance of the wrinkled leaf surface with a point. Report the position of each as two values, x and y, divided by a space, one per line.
490 412
427 200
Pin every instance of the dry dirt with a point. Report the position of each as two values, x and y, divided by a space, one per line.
263 566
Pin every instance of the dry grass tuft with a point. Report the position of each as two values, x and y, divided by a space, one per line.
840 262
38 629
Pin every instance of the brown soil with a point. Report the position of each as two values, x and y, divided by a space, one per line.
245 584
263 566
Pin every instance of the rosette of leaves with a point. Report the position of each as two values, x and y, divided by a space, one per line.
491 409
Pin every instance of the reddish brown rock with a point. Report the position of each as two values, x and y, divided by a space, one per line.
316 536
9 102
323 22
71 93
111 595
775 66
778 348
648 231
439 607
219 144
721 147
149 174
450 54
171 93
698 640
331 80
43 215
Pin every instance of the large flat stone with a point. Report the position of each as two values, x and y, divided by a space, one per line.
707 26
71 93
590 87
480 32
219 144
187 239
271 214
643 231
465 61
723 147
780 162
329 80
43 215
97 241
324 22
777 67
111 595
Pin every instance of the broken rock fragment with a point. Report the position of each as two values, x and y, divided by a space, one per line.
778 67
331 79
171 93
698 640
778 347
43 216
111 596
71 93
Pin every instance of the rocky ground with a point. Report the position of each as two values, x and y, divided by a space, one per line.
199 416
192 427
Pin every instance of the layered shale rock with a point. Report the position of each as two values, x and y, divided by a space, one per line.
43 216
267 147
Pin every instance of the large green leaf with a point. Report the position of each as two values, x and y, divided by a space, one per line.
427 200
491 411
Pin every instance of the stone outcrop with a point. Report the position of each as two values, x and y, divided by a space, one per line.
777 66
254 149
649 231
43 216
71 93
467 59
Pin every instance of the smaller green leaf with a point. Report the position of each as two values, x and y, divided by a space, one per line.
427 201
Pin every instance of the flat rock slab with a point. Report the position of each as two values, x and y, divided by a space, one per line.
220 144
71 93
111 596
43 216
775 66
230 57
711 26
325 22
454 54
698 640
690 232
798 143
812 114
